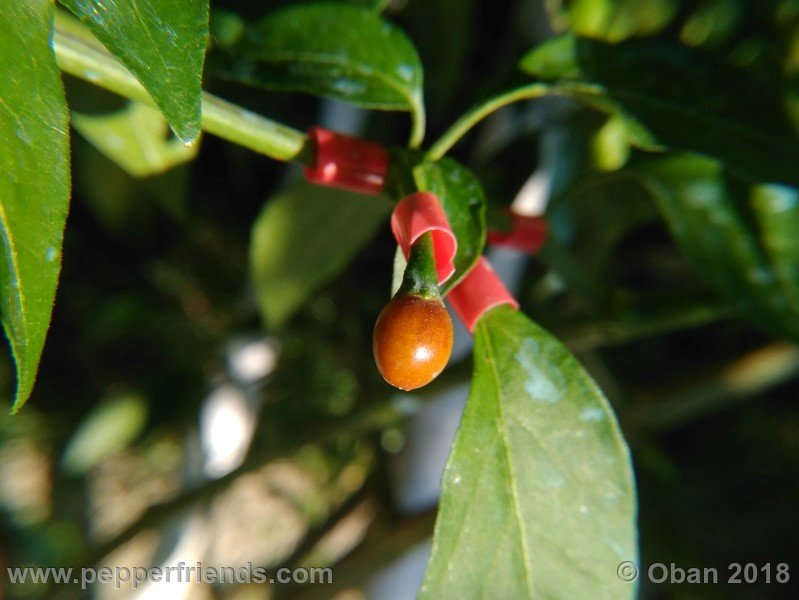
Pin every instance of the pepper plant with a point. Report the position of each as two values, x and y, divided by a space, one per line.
670 117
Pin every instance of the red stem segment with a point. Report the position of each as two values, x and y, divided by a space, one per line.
346 162
527 234
480 291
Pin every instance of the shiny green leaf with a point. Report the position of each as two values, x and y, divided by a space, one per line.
303 238
463 201
743 241
335 50
34 182
673 97
162 43
538 497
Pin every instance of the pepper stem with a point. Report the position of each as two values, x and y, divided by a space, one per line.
420 277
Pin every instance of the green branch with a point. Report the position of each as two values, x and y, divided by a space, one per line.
418 123
480 112
85 60
743 379
634 327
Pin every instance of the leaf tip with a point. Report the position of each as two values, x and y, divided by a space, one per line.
554 59
20 398
188 134
22 393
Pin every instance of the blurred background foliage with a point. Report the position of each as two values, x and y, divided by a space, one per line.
157 316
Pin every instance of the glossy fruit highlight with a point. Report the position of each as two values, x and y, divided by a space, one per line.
412 340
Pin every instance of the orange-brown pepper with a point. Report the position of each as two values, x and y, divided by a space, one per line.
412 341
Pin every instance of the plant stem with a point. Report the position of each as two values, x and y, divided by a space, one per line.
624 331
480 112
87 61
315 534
742 379
387 541
418 123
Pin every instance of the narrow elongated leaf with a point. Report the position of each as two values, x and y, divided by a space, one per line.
303 238
538 498
463 201
162 43
136 138
744 243
335 50
34 181
670 96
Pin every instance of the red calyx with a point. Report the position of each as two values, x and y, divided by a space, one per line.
417 214
346 162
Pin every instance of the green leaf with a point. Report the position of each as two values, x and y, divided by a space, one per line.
331 49
670 96
303 238
610 145
586 224
136 138
162 44
743 241
376 5
445 50
776 211
34 182
538 490
713 22
398 270
463 201
107 429
613 20
123 205
554 59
